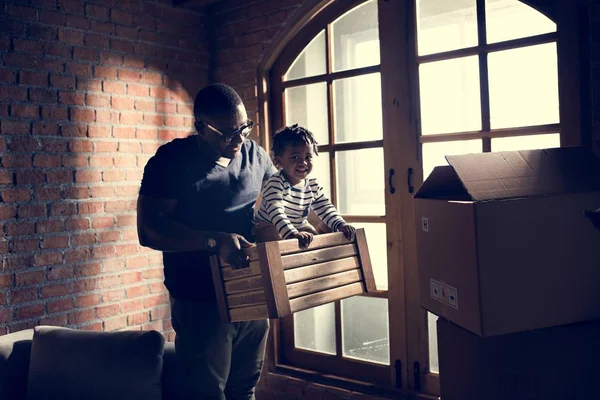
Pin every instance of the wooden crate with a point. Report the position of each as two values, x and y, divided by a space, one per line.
283 278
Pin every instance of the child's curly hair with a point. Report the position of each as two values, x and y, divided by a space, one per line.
293 135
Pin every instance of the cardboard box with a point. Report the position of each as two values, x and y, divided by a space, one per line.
559 363
504 244
283 278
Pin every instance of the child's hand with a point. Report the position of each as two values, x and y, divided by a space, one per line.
304 238
349 231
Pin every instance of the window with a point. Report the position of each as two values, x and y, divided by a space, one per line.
389 89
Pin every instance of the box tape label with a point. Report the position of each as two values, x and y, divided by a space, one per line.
444 293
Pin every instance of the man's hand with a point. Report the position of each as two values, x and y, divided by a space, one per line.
349 231
231 247
304 238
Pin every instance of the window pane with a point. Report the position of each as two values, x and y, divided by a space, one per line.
444 25
360 182
434 153
450 99
314 329
310 62
307 106
358 108
512 19
365 329
377 242
530 142
355 38
434 365
321 171
524 86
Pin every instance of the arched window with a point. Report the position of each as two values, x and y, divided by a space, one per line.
389 88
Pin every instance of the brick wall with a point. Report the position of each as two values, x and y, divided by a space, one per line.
88 91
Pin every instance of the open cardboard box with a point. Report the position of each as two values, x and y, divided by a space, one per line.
283 278
504 244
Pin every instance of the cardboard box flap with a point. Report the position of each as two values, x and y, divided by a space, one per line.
443 183
513 174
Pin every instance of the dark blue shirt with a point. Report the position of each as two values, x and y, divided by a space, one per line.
210 197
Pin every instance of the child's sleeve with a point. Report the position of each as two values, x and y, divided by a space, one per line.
274 208
323 207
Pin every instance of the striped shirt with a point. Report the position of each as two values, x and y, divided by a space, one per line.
287 206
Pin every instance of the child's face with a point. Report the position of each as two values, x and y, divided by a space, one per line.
296 162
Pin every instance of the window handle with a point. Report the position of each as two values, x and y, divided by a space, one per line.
411 188
391 184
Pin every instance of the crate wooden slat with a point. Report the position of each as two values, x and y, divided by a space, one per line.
283 278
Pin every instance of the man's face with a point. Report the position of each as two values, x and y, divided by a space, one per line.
225 123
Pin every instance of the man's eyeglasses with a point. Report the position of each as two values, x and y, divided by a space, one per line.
243 131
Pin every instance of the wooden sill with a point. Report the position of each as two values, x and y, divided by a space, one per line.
349 384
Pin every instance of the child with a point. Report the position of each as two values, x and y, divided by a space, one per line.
289 194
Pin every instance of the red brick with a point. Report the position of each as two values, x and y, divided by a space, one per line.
109 281
84 53
25 246
74 130
103 191
30 311
77 255
114 87
95 40
57 49
80 192
131 277
71 98
15 161
30 177
94 11
151 78
126 162
3 113
49 226
23 295
82 115
101 161
87 270
27 46
107 28
70 36
87 176
32 210
6 177
56 290
15 127
106 147
103 252
146 133
115 323
21 12
55 113
54 145
137 291
97 100
59 273
51 17
105 116
78 317
129 75
90 208
24 144
160 313
86 301
44 259
109 296
129 33
7 212
131 118
13 93
6 315
29 278
20 228
137 319
154 119
77 68
113 175
77 22
130 234
137 90
92 327
105 72
83 285
50 65
61 305
123 46
63 82
89 85
173 120
154 301
43 96
134 62
56 320
108 310
15 195
45 128
167 108
33 78
77 224
59 176
26 61
111 58
83 239
115 264
122 103
56 242
81 146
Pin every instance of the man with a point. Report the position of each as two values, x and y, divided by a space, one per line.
196 199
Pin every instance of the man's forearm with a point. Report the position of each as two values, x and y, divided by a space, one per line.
171 236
